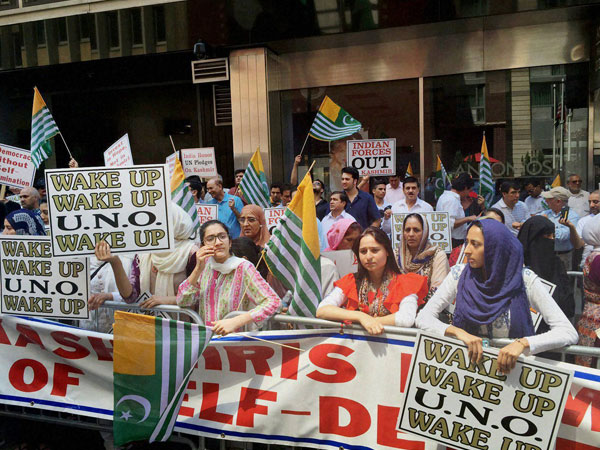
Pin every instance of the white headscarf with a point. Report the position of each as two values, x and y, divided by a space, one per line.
170 263
591 233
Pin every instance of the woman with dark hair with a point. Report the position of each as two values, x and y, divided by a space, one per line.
494 293
24 222
222 283
417 255
377 294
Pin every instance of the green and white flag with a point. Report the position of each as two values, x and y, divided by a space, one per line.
153 361
43 128
254 185
293 252
181 195
333 123
486 183
442 182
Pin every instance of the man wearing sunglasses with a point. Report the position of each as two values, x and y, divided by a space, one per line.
579 200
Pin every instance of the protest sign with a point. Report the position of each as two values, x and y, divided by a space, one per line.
199 161
273 216
207 212
372 156
345 261
33 283
119 154
170 161
439 229
467 406
128 207
343 390
16 168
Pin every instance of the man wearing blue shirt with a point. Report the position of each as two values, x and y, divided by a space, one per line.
361 205
565 233
230 206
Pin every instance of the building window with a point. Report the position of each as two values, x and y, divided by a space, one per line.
84 27
62 30
137 32
541 94
113 29
18 40
477 103
40 33
160 32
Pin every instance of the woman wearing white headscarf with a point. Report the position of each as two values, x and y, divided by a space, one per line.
159 274
589 321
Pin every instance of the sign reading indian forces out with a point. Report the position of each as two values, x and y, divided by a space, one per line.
33 283
128 207
372 156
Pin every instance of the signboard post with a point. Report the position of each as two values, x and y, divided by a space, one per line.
372 156
199 161
128 207
439 229
16 168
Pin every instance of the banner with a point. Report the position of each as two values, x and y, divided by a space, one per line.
273 216
372 156
16 168
34 283
336 390
468 406
345 261
439 229
128 207
170 162
199 161
119 154
207 212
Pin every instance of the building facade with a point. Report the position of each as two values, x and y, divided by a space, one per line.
435 75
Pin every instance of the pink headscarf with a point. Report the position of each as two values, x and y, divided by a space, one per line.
337 232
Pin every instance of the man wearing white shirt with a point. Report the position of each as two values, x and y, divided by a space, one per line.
534 201
594 204
579 198
409 204
450 202
337 203
393 191
515 211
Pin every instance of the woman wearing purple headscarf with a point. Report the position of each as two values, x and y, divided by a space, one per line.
494 293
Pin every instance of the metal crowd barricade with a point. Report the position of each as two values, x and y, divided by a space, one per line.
577 278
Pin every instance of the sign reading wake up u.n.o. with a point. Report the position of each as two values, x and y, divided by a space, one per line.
128 207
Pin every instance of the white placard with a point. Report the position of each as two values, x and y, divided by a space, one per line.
170 161
16 168
439 229
128 207
273 216
199 161
466 406
207 212
345 261
33 283
119 154
372 156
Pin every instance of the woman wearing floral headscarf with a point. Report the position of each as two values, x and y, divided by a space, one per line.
24 222
417 255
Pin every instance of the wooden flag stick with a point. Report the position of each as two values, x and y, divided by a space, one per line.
2 192
172 144
305 141
65 142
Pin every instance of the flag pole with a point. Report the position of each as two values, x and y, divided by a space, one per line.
2 192
249 336
305 141
65 142
172 144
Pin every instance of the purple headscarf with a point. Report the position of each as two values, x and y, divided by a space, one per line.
480 302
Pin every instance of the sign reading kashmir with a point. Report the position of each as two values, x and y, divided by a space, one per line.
119 154
439 229
199 161
34 283
474 406
326 390
16 168
128 207
372 156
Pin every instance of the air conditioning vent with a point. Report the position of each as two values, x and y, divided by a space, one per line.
210 70
222 104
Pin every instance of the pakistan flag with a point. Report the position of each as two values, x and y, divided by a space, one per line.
153 361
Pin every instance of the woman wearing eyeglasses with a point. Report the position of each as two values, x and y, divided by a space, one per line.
254 225
221 283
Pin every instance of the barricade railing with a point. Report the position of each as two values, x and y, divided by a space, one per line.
578 296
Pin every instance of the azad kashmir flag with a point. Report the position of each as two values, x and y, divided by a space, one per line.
441 178
153 361
254 186
293 252
333 123
409 171
486 183
556 182
43 128
181 195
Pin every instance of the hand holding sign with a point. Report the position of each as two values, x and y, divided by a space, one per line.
507 358
102 252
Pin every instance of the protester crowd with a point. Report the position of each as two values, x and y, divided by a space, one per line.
502 252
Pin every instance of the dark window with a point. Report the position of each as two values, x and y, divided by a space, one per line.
40 32
18 39
113 29
137 35
91 19
62 30
160 32
84 27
